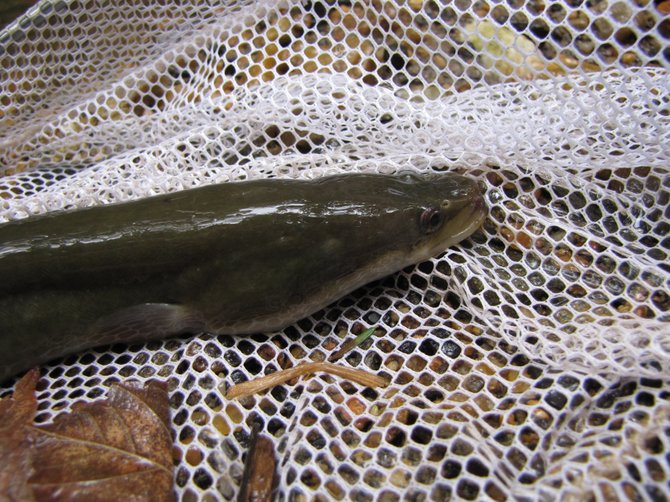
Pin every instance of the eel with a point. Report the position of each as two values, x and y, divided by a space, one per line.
231 258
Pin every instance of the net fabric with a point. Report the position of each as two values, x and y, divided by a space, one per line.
530 360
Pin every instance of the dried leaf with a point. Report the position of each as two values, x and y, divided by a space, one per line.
116 449
259 480
108 450
16 416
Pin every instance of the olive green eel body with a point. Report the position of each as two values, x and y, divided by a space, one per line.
231 258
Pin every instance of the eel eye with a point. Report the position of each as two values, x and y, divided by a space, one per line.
430 220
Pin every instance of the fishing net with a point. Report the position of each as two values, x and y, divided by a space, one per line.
530 361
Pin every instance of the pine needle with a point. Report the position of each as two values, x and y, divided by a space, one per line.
351 344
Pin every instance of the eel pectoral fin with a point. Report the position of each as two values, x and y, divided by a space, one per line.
148 321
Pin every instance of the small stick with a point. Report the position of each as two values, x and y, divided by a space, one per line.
279 377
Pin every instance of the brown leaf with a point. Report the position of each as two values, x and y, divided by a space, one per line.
116 449
259 479
16 416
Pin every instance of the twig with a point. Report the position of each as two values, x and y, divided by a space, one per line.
260 384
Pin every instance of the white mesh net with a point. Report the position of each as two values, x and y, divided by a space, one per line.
530 360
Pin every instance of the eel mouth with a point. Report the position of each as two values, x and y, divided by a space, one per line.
462 225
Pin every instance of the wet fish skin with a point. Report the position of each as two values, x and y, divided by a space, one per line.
233 258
